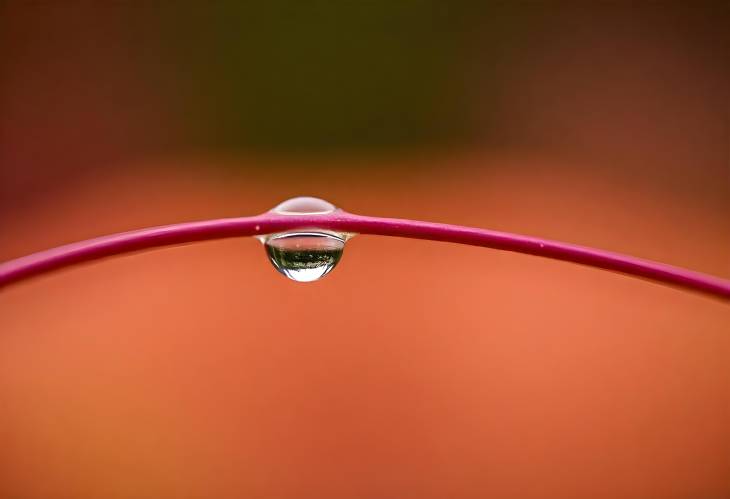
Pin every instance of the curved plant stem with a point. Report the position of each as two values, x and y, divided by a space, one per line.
92 249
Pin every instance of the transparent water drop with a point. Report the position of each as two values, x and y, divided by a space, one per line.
305 255
304 205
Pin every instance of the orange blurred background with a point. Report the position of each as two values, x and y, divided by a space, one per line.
416 369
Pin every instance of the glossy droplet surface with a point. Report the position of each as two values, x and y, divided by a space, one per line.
304 205
304 256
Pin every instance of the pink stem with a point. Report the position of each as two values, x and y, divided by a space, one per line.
92 249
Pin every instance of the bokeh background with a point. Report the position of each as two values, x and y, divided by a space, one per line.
416 369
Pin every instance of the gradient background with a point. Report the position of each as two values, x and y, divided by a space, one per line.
417 369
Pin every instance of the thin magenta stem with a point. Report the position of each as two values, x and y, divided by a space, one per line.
63 256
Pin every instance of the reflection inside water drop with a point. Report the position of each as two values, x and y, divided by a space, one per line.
305 256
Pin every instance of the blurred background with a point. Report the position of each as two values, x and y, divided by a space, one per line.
416 369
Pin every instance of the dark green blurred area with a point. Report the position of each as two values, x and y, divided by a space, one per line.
322 76
90 88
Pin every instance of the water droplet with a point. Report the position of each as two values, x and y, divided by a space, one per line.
304 205
305 256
